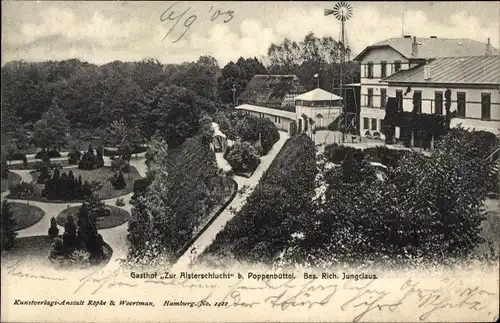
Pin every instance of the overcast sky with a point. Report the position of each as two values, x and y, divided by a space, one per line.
101 32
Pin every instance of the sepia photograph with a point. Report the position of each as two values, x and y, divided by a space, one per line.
240 161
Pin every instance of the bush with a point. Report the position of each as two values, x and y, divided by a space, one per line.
119 202
140 186
376 135
74 157
66 187
91 159
249 128
293 128
368 134
53 230
336 154
25 162
16 156
120 164
47 153
384 155
23 190
118 181
242 157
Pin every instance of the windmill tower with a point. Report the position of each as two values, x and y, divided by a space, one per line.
342 11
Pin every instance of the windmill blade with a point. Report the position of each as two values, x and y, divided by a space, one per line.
329 12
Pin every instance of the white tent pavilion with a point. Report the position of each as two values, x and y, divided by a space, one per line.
317 98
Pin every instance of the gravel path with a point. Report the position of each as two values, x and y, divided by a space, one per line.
209 235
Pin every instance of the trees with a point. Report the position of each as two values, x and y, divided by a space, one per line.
51 130
310 56
8 234
242 157
238 75
172 111
427 208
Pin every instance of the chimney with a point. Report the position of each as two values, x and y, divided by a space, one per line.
488 47
414 47
427 71
433 37
407 36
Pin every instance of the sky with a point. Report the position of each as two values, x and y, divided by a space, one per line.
104 31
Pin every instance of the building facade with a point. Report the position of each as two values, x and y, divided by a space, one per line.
474 83
391 56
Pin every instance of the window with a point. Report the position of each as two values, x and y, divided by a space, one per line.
485 106
397 66
383 69
461 104
380 124
399 99
366 123
438 102
374 124
369 102
383 98
370 70
417 101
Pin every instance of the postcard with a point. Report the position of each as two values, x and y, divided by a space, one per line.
237 161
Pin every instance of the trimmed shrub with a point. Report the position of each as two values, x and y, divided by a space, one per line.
47 153
74 157
376 135
119 202
23 190
118 181
242 157
91 159
53 230
368 134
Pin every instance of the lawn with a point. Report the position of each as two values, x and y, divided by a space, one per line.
12 179
117 217
32 164
25 215
100 175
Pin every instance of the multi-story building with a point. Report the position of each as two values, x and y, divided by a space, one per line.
393 55
474 82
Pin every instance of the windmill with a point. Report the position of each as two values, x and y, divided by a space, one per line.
343 11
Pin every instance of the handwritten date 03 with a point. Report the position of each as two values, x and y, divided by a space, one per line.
177 16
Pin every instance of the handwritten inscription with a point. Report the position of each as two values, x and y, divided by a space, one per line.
359 298
182 20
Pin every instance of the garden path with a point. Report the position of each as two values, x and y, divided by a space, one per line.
116 237
229 212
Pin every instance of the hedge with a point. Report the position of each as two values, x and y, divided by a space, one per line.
50 154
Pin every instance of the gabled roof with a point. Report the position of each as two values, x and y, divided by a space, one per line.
453 70
269 111
270 89
433 47
318 95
